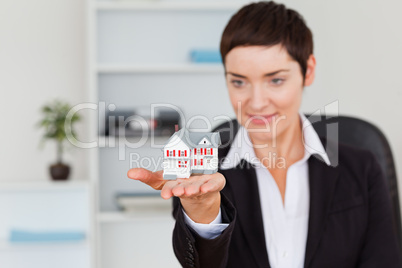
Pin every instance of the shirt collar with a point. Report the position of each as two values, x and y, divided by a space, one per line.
242 148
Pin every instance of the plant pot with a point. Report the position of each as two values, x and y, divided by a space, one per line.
59 171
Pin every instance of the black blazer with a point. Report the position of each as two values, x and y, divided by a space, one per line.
350 218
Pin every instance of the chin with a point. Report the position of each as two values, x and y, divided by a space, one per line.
261 137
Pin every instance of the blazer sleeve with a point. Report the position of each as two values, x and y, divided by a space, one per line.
192 250
380 248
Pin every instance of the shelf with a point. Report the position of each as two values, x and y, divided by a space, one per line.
44 185
202 68
5 245
161 5
122 217
112 141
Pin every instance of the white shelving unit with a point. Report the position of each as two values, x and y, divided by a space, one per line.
43 246
122 217
161 68
138 54
37 206
44 185
169 5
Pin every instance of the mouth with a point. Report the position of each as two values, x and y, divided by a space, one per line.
262 119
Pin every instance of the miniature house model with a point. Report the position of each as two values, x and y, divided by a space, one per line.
190 152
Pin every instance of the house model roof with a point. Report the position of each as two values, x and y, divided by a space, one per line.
193 139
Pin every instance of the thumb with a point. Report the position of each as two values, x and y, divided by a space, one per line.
153 179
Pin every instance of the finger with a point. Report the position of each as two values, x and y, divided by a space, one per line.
193 186
214 184
166 192
178 190
153 179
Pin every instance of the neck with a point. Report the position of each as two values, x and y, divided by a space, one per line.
288 145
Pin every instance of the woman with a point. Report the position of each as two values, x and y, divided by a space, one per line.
278 199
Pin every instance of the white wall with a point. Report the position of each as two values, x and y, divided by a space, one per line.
42 56
358 46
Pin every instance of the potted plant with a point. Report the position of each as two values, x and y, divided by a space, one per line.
54 115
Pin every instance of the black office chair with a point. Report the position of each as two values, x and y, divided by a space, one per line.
351 131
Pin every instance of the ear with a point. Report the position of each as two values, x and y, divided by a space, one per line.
310 72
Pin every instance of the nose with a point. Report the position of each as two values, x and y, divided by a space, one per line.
258 100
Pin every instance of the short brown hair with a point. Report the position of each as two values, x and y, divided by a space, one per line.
268 24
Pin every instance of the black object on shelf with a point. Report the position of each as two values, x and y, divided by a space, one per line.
130 123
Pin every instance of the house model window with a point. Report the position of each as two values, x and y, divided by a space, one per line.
188 152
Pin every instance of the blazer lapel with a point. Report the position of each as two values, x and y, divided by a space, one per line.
322 180
243 183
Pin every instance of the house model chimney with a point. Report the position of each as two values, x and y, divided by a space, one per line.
176 128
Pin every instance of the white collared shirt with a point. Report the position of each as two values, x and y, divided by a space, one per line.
285 224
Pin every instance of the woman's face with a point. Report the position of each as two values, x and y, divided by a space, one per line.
265 87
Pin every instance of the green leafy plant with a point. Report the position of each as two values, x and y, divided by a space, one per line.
54 117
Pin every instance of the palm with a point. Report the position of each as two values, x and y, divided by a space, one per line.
199 194
194 187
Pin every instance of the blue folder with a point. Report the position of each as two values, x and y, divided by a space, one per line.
205 56
28 236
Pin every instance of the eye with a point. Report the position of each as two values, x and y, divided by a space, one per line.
277 81
237 83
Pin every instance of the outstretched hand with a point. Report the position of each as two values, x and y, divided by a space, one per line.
199 194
